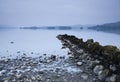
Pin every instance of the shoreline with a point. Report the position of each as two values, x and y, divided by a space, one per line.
84 64
43 69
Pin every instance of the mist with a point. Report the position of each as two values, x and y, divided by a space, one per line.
58 12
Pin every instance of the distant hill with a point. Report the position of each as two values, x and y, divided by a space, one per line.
72 27
48 27
108 27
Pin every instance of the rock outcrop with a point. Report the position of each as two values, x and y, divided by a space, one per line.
103 60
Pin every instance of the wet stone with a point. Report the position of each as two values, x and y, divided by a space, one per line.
98 69
40 72
113 78
84 76
79 63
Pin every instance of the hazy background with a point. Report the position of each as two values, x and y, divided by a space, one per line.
58 12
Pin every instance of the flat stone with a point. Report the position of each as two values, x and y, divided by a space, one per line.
80 51
97 61
71 56
79 63
40 72
84 76
18 75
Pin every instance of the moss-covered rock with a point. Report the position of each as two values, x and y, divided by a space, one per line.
107 54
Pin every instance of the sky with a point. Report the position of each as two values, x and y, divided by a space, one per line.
58 12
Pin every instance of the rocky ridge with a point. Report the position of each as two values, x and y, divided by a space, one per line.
101 61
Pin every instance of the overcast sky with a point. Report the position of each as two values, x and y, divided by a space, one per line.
58 12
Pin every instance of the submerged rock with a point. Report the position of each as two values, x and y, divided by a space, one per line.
12 42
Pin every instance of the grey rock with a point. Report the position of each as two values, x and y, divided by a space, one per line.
103 74
48 61
113 78
80 51
84 76
40 72
98 69
18 75
53 57
79 63
6 81
97 61
112 67
71 56
3 71
1 67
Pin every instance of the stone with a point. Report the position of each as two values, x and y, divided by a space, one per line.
98 69
40 72
79 63
35 62
113 78
57 69
62 57
80 51
2 72
12 42
53 57
112 67
32 53
48 61
18 75
1 67
97 61
84 76
6 81
103 74
71 56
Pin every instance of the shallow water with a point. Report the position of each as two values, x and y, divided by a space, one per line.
45 41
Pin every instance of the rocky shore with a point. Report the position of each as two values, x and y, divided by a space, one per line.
42 69
86 62
103 62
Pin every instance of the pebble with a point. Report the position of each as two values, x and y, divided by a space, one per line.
79 63
18 75
112 67
3 71
40 72
6 81
84 76
71 56
113 78
97 61
98 68
80 51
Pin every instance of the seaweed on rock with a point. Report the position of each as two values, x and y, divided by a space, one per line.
108 55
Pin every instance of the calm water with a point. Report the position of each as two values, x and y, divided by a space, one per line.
45 41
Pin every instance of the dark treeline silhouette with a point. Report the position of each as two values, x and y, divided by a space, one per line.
109 27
